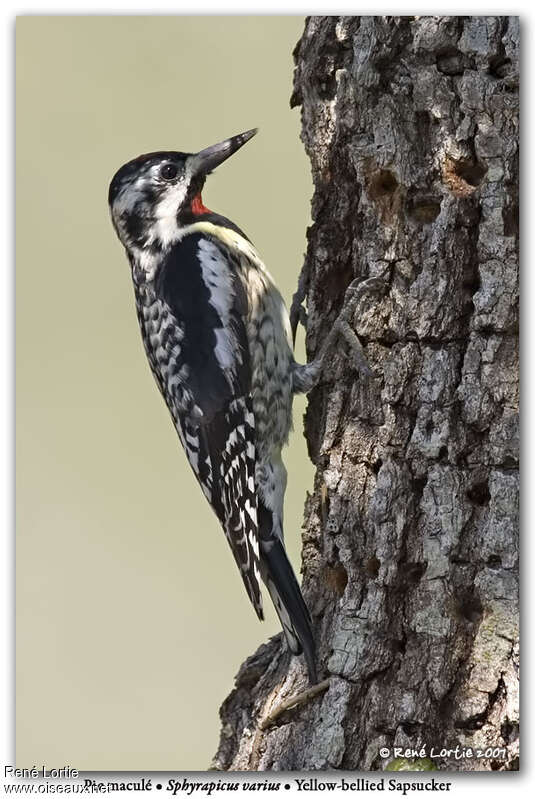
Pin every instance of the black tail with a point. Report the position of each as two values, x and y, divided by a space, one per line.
289 603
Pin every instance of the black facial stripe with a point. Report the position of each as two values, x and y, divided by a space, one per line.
140 165
150 196
136 228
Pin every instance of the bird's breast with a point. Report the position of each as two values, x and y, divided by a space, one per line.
271 361
162 338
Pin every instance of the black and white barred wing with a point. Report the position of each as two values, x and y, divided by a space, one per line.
229 442
215 420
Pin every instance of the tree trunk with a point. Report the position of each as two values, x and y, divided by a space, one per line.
410 547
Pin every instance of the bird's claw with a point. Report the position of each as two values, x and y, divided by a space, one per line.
356 289
344 329
297 311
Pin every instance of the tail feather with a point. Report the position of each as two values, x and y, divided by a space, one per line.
289 603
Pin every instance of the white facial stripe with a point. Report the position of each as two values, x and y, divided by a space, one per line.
166 227
161 218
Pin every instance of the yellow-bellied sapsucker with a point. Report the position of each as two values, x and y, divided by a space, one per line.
217 337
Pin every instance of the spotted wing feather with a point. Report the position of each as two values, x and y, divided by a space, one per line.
229 442
214 416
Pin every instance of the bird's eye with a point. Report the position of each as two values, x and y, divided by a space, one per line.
169 171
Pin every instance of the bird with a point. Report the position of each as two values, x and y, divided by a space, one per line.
218 338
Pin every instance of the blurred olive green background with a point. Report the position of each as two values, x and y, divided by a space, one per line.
131 616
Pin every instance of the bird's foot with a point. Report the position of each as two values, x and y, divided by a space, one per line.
306 376
298 315
343 329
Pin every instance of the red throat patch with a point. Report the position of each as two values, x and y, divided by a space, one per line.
197 207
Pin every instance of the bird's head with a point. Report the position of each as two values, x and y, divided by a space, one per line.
154 195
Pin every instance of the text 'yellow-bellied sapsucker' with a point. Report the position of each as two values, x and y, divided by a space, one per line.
217 337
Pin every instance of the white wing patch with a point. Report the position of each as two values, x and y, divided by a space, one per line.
218 277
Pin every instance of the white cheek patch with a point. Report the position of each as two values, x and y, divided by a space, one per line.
166 226
173 197
217 276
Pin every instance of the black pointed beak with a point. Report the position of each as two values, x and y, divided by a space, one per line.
208 159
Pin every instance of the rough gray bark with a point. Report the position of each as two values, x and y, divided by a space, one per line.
410 544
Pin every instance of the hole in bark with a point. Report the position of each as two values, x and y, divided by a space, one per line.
479 493
472 172
473 723
469 213
424 210
470 607
499 66
509 731
327 88
418 484
450 61
377 465
401 645
382 183
372 566
472 279
415 571
428 427
494 562
509 462
442 453
463 176
410 728
336 578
